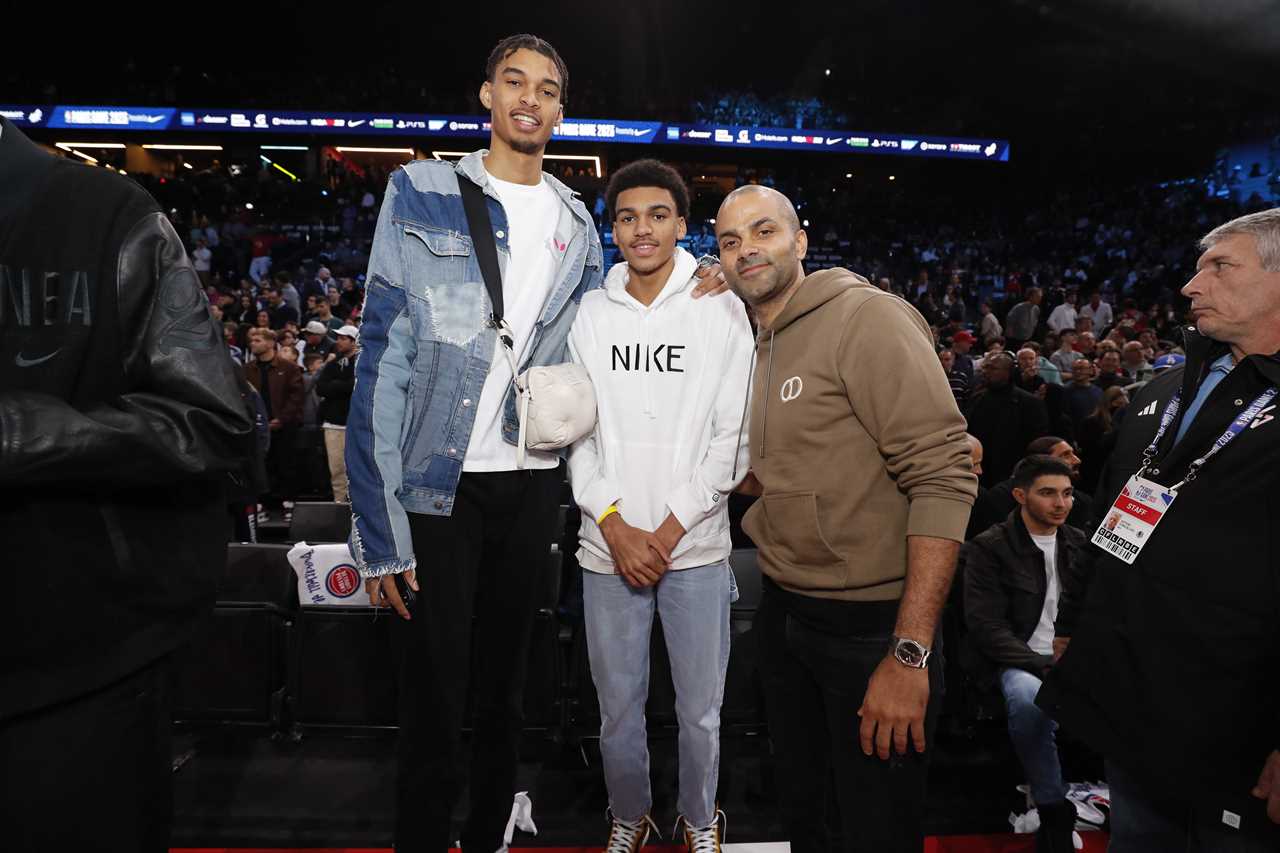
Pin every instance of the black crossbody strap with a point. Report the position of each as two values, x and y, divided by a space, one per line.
481 228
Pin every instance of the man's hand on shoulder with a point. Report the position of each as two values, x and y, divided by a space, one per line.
711 281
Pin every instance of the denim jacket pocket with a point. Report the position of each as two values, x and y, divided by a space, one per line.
444 278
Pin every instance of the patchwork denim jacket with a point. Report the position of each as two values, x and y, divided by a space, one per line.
426 346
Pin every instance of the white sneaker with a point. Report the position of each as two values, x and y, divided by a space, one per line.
704 839
626 837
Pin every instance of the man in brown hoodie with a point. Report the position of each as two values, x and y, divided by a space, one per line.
866 484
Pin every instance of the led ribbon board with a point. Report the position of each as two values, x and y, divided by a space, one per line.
178 119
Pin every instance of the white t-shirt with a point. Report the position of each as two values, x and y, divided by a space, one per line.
202 258
1101 316
532 214
1063 317
1041 641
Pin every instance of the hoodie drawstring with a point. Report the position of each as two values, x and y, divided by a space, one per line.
768 383
746 405
648 380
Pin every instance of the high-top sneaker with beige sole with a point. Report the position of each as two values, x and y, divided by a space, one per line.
627 836
704 839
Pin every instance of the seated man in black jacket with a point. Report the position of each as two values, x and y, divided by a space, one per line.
1014 574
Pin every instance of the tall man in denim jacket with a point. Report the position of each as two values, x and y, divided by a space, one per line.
431 436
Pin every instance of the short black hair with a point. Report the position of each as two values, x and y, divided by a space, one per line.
647 173
1041 446
1031 468
527 41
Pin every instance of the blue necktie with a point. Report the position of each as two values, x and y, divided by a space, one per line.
1220 368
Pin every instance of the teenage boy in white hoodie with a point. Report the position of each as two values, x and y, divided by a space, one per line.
671 377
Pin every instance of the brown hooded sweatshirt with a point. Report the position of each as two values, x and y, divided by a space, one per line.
856 439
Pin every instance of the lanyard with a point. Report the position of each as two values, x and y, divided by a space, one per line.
1236 427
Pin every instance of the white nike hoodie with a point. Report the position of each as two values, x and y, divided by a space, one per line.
671 382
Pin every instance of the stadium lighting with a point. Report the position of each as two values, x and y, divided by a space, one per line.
248 205
893 177
848 174
273 164
92 160
806 223
183 147
408 151
578 158
283 147
828 72
188 166
66 146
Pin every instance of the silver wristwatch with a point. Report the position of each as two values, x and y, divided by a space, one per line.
910 653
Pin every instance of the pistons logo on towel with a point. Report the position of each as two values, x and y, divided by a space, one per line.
342 581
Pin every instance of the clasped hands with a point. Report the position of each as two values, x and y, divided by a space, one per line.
641 557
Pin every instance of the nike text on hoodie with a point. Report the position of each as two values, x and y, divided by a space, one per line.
671 382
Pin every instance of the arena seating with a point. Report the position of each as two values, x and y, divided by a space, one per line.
263 658
235 668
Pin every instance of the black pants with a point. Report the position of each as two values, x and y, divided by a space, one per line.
282 463
478 571
816 657
1144 821
92 773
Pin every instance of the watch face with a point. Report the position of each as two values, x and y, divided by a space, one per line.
909 652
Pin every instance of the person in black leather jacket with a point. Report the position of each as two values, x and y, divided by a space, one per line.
120 422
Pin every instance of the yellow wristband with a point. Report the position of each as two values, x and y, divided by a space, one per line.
608 512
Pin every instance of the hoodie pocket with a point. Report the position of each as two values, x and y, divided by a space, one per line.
794 528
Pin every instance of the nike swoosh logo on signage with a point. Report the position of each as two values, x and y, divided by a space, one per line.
23 362
834 141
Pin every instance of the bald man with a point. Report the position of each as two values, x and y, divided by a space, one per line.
866 481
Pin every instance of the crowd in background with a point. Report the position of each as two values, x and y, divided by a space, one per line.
1046 320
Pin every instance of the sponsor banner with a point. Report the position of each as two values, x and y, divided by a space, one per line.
623 131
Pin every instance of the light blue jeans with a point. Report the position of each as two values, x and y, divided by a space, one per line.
1034 736
693 605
